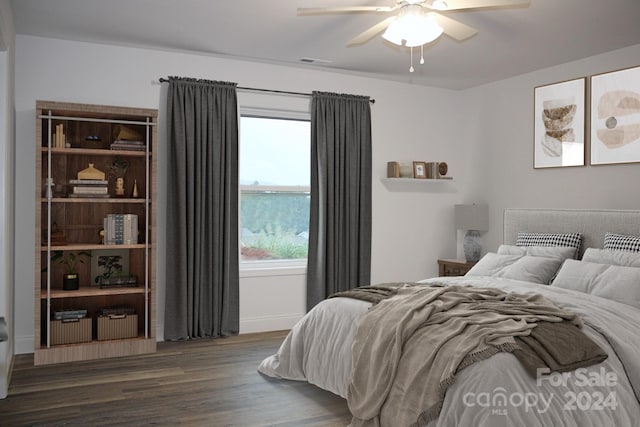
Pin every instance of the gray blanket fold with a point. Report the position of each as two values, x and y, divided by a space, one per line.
559 347
372 294
408 348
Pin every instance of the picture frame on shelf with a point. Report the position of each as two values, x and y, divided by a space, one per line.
109 265
419 170
615 105
559 124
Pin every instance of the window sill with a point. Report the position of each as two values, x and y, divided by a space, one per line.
273 268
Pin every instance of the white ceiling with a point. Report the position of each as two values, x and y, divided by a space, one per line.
510 41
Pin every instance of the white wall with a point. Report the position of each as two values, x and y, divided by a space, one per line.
7 43
410 229
502 150
485 134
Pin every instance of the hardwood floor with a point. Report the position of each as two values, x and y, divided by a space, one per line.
195 383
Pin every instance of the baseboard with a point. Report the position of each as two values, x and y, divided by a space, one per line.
268 323
24 344
5 378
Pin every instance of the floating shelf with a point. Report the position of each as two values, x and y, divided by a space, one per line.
419 185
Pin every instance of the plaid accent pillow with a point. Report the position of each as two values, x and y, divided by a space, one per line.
573 240
622 242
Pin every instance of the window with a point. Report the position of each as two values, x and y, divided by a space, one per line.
275 171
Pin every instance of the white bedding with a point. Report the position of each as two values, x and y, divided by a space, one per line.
496 391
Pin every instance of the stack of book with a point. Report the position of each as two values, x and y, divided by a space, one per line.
59 138
89 188
70 314
124 144
120 229
117 310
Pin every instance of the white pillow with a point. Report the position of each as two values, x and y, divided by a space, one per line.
536 269
612 257
562 252
612 282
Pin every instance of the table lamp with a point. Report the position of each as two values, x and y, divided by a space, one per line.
473 219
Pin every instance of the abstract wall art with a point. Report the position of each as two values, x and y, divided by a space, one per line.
615 117
559 124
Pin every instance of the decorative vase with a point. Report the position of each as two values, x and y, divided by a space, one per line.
471 245
70 282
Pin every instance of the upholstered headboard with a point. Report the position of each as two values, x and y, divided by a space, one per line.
593 224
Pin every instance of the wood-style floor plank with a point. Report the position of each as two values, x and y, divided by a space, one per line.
211 382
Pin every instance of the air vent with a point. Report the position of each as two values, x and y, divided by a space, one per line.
314 61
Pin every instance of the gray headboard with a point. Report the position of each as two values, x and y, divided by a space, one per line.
593 224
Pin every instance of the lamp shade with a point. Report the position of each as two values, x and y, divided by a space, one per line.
472 217
413 28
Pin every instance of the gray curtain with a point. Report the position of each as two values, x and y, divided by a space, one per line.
340 219
202 292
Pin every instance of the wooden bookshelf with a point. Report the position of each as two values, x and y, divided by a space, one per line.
89 131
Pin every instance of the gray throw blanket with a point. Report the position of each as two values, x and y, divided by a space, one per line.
372 294
559 347
408 348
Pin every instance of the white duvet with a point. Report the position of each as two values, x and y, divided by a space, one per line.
497 391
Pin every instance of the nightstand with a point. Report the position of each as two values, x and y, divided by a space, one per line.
454 267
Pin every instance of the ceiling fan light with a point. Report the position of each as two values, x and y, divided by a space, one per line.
394 32
439 5
413 29
424 31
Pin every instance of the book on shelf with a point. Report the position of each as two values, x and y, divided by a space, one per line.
89 187
90 195
88 182
128 142
59 138
69 314
81 189
120 229
127 145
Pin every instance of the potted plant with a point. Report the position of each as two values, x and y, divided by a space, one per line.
70 279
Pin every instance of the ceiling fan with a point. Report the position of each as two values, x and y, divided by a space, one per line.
417 22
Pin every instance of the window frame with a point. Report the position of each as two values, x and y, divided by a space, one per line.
272 266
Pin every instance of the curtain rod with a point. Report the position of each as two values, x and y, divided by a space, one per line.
253 89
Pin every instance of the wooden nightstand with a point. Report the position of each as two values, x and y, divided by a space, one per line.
454 267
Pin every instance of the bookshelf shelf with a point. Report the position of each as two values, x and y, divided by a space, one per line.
93 200
91 292
90 247
74 138
96 152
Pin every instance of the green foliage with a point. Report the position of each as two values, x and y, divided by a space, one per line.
281 244
69 259
110 264
276 220
289 211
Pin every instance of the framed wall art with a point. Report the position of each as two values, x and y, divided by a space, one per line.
615 117
559 124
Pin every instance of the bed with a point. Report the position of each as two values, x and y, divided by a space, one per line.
596 279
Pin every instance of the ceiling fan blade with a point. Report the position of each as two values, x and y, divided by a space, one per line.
368 34
453 28
323 10
481 4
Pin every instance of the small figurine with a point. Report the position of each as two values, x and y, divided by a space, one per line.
119 168
135 193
